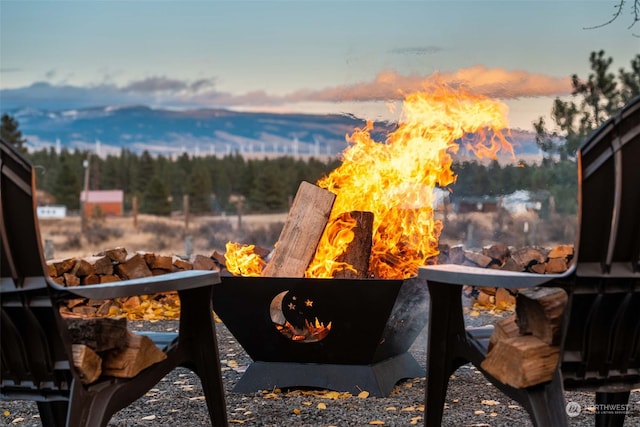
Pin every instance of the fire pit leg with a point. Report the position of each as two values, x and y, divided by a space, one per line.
378 379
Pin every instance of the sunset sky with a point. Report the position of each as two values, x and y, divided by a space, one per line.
301 56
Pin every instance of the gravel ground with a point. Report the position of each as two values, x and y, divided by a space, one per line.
178 401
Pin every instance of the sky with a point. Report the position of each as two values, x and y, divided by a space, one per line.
354 57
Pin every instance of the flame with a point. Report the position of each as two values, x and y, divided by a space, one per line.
312 331
334 241
395 179
241 260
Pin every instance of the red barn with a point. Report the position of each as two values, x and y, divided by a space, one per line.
109 201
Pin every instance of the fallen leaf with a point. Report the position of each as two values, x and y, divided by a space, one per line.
456 400
148 418
478 412
17 420
513 406
296 411
408 409
474 313
415 420
307 403
490 402
237 421
7 413
376 423
390 408
493 414
363 394
321 406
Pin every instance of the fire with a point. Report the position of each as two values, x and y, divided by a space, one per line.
395 179
312 331
241 260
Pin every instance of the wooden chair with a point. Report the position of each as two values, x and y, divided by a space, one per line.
600 336
36 352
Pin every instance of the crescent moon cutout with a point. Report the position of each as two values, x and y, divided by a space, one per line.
275 309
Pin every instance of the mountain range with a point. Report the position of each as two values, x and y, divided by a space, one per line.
107 130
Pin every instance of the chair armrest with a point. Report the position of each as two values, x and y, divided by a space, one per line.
178 281
476 276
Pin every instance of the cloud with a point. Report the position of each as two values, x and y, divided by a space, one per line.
418 50
493 82
157 84
386 86
10 70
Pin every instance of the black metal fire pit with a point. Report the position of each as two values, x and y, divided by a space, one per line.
372 325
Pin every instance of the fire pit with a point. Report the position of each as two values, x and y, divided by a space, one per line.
358 238
369 326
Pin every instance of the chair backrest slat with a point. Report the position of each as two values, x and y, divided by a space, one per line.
600 342
31 343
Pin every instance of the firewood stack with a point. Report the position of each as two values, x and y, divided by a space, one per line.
101 342
117 264
501 257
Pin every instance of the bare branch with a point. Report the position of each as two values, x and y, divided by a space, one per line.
618 9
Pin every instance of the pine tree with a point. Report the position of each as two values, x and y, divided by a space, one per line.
597 99
199 189
67 186
10 133
155 199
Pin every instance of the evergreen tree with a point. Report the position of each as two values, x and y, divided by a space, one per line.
155 199
10 133
67 186
199 189
599 97
268 194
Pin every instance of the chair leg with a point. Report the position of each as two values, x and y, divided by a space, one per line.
611 409
89 409
53 414
203 358
545 403
445 323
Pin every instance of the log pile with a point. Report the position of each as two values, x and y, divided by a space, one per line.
117 264
102 345
524 348
528 259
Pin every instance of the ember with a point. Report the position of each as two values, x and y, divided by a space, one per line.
395 180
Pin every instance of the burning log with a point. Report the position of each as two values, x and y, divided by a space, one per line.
358 251
301 232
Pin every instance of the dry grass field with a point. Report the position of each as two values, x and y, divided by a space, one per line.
162 235
204 234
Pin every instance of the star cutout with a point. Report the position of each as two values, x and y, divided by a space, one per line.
309 303
292 306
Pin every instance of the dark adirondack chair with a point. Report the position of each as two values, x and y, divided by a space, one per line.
600 337
36 352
